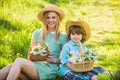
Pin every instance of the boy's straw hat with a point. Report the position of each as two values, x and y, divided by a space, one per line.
80 23
50 7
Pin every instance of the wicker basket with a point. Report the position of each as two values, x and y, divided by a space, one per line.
37 57
84 66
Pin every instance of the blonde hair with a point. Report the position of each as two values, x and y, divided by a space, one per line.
44 28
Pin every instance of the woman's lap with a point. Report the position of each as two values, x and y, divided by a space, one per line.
45 71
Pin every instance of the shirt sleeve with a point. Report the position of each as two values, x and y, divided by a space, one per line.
64 56
36 35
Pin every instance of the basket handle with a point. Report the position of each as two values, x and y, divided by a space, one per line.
81 51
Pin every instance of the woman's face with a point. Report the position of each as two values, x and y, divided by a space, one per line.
51 21
76 37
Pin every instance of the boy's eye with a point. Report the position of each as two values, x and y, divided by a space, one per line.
53 17
73 33
78 33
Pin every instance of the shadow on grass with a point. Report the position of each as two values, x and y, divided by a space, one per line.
7 25
52 1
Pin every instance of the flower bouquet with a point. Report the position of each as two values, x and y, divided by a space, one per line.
90 55
82 62
39 52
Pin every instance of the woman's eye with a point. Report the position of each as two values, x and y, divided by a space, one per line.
47 17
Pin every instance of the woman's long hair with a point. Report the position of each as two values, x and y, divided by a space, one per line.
45 27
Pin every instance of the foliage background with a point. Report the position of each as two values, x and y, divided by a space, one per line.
18 19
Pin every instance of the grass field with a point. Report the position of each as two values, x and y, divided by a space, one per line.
18 19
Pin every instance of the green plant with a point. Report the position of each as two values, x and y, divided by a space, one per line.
103 77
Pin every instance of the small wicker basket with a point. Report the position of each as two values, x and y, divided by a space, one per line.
38 57
84 66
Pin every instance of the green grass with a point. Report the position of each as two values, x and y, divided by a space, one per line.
18 19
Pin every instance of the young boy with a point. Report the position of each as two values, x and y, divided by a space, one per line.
78 32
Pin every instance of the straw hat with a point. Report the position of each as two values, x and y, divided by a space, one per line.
50 7
80 23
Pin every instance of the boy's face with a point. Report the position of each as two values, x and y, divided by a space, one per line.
76 37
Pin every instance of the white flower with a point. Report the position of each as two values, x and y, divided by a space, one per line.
74 57
90 55
41 49
43 52
77 60
35 50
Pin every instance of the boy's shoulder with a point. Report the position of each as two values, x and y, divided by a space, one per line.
67 44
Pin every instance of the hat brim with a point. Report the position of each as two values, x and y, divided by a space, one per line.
51 7
82 24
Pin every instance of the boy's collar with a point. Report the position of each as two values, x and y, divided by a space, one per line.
73 43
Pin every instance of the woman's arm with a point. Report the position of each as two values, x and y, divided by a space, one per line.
33 43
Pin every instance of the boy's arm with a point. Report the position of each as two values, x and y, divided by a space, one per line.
69 66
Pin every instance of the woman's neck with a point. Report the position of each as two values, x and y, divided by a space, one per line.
51 30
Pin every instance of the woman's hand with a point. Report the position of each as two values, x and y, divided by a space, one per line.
51 59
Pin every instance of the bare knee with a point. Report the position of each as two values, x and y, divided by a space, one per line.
18 61
9 65
4 72
7 68
94 77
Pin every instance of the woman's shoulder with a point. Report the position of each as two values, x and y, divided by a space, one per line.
63 35
63 38
37 31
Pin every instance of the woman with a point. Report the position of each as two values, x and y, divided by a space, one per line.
50 16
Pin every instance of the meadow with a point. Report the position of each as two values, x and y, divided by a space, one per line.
18 19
